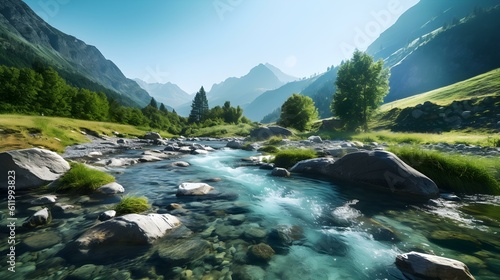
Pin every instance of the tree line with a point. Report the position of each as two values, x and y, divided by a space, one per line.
42 91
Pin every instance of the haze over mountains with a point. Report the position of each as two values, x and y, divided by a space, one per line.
433 44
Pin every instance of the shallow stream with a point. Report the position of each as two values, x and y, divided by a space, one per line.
317 229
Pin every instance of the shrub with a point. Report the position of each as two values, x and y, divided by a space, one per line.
288 158
269 149
83 179
131 204
455 173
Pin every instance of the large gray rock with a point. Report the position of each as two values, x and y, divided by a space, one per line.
382 170
119 233
422 266
263 133
32 167
379 169
312 166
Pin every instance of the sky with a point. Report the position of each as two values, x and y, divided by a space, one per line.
195 43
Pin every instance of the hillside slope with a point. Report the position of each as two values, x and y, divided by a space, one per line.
447 56
26 39
487 84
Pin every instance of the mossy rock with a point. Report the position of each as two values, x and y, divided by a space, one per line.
261 251
456 241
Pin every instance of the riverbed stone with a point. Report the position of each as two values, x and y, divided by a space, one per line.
188 189
423 266
249 272
32 168
261 251
46 199
280 172
235 144
181 251
42 240
40 218
111 188
107 215
180 164
455 240
255 233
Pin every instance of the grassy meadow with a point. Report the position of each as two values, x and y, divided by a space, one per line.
54 133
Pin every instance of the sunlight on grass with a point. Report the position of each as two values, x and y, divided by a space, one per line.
288 158
456 173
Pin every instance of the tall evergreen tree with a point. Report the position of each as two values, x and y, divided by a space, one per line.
153 103
163 108
199 108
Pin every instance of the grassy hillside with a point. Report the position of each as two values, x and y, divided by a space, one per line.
487 84
18 131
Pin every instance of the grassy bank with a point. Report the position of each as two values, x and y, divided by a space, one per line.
389 137
53 133
455 173
226 130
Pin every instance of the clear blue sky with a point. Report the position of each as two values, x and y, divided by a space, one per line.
202 42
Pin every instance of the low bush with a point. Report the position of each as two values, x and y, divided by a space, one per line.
269 149
82 179
288 158
455 173
131 204
275 140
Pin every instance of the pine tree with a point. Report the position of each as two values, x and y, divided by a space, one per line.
153 103
163 108
199 108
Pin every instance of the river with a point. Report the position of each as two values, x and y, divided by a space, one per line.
318 230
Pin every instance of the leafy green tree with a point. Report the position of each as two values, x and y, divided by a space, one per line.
361 86
199 107
298 112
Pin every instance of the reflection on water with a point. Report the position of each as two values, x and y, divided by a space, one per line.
317 230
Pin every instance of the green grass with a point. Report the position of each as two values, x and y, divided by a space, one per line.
487 84
455 173
131 204
288 158
82 179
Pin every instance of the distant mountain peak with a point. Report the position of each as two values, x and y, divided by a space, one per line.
283 77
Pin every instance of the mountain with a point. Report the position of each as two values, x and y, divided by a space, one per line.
25 39
450 54
272 99
284 78
169 94
423 18
243 90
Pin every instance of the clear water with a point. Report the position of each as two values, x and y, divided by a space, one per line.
339 232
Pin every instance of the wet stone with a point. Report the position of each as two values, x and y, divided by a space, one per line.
261 251
255 233
236 219
455 240
42 240
180 251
